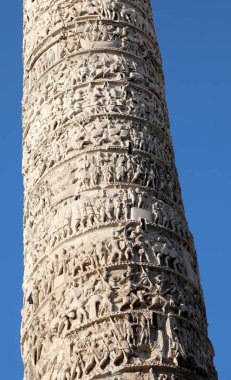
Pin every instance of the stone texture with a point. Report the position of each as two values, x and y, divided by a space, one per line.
111 284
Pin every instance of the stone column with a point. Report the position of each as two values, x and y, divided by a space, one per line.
112 288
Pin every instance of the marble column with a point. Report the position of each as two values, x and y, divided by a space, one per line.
111 284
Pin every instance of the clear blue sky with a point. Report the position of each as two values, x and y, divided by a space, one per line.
194 36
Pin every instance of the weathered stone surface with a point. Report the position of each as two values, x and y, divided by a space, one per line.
111 284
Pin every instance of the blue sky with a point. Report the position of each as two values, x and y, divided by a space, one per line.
195 41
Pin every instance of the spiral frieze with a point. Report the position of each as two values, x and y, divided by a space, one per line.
111 283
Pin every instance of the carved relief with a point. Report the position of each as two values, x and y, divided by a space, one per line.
101 133
111 283
49 23
92 101
79 70
130 170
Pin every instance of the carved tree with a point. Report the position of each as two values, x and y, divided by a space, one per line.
111 283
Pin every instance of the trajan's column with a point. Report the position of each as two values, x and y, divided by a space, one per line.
111 283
